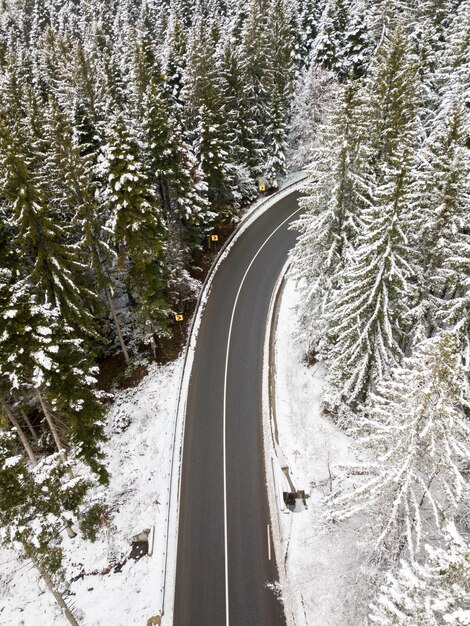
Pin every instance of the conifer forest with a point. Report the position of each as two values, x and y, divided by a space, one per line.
129 131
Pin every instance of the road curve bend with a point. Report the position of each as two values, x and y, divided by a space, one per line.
225 559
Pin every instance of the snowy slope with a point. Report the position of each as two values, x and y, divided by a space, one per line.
140 426
322 572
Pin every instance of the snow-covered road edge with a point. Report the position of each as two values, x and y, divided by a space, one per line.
171 541
274 474
323 570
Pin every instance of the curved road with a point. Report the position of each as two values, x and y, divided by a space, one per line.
223 561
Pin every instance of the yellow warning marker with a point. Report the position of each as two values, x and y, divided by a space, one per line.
262 187
214 237
179 317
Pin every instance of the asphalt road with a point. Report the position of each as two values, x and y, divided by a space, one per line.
202 586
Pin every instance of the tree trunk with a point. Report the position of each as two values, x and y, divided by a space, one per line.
103 279
19 430
116 323
47 414
52 426
29 425
32 457
50 585
153 345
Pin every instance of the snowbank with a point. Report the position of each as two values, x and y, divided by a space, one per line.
321 571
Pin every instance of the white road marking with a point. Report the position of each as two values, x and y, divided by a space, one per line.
227 622
269 543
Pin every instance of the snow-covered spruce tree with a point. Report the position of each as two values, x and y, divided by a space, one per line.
87 100
175 53
41 358
358 40
432 592
309 13
440 216
6 410
68 174
282 46
257 71
366 319
53 57
385 14
328 47
439 13
167 154
454 304
53 266
455 69
203 111
233 103
329 225
131 202
312 107
180 182
14 82
417 426
343 43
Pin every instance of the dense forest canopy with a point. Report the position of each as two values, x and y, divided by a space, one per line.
129 129
383 264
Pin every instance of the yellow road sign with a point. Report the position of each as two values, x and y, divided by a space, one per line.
179 317
214 237
262 187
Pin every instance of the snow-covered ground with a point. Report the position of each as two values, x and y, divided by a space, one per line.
141 426
322 572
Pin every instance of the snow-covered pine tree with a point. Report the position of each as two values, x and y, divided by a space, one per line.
53 266
135 219
203 108
366 320
417 426
434 592
440 212
312 107
329 226
42 359
175 52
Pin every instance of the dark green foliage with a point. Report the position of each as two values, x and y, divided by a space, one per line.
34 501
92 520
39 351
53 266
